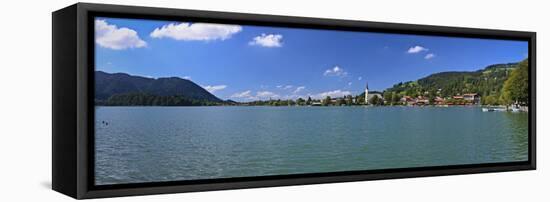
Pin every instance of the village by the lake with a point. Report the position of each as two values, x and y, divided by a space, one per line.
377 98
511 95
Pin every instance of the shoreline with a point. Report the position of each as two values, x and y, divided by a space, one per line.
307 106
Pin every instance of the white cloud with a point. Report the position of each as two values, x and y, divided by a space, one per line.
349 83
332 94
299 89
260 95
416 49
284 87
429 56
336 71
245 94
266 95
293 97
187 77
213 89
360 78
267 40
110 36
196 31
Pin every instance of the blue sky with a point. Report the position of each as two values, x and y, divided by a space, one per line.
243 63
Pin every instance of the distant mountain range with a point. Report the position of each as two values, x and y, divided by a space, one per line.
124 89
120 89
485 82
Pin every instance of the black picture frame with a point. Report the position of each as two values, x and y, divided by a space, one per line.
73 104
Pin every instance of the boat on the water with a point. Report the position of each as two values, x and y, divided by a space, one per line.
515 109
493 109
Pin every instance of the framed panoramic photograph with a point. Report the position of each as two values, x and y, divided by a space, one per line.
151 100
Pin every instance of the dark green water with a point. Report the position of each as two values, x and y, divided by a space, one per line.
151 144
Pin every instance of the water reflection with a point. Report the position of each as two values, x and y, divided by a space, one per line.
519 123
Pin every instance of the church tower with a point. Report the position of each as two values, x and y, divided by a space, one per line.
367 94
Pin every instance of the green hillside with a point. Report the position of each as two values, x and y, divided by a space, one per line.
121 89
487 82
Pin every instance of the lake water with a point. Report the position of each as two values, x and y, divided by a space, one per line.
152 144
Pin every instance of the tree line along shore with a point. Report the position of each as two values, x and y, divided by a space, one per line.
500 84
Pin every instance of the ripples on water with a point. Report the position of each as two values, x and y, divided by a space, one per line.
152 144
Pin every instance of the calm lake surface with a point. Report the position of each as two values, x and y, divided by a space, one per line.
151 144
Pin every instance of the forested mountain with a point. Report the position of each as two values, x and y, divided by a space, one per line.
487 82
123 89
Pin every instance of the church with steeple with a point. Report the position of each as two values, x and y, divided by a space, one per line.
367 93
369 96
